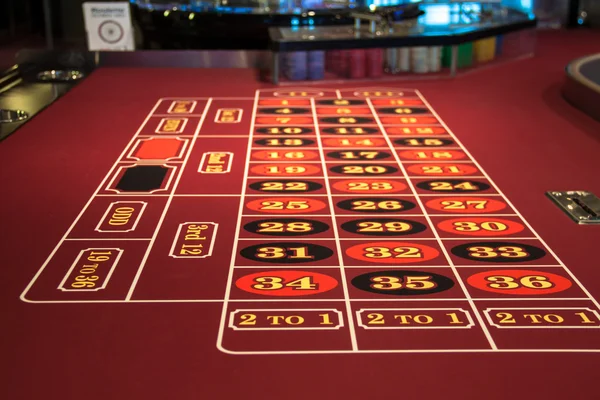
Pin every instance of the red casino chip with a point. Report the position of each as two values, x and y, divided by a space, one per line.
284 155
422 155
481 226
285 169
443 169
466 205
392 252
370 186
286 205
286 283
520 282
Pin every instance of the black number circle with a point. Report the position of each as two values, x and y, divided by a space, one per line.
286 186
292 252
403 110
282 142
351 130
286 227
347 120
496 250
399 282
430 186
341 102
360 154
376 205
284 130
409 141
364 169
285 110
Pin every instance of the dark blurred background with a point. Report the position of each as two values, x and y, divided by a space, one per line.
22 22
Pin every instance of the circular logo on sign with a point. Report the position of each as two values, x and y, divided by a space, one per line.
110 32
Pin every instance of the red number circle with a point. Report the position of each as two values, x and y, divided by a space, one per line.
277 283
483 226
285 155
286 205
346 142
519 282
284 120
466 205
281 169
409 120
430 155
405 253
446 169
424 130
369 185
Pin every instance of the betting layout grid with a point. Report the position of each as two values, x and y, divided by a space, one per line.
365 225
347 155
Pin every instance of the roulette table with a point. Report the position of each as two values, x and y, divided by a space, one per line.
194 233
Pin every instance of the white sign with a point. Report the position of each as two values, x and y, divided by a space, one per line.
108 26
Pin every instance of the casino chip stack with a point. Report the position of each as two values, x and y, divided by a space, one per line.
435 59
358 63
391 60
420 60
499 43
295 65
344 64
316 65
375 63
485 49
404 60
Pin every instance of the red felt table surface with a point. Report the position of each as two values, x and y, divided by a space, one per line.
511 118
